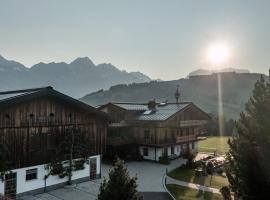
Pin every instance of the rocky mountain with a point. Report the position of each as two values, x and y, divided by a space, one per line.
76 78
202 90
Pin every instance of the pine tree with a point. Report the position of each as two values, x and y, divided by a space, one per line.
119 186
249 155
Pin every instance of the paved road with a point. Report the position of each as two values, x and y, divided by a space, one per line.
149 175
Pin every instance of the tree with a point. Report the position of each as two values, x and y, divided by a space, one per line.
248 170
120 185
72 145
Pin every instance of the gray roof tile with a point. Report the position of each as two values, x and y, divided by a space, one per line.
162 112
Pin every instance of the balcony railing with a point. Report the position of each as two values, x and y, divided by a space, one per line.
188 123
115 141
180 139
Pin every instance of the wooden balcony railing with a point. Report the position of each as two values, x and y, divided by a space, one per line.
115 141
185 138
188 123
180 139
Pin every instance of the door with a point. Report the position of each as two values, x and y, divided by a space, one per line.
172 150
11 185
93 168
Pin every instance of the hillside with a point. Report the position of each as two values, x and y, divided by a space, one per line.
202 90
76 78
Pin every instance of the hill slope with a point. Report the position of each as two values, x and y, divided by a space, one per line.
76 78
202 90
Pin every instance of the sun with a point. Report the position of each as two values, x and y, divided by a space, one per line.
218 53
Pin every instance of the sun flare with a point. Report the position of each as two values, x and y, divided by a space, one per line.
218 53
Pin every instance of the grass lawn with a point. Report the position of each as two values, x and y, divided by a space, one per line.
188 175
218 143
184 193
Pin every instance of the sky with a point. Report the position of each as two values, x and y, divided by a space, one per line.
163 39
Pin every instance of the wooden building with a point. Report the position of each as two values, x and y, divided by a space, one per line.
154 130
33 122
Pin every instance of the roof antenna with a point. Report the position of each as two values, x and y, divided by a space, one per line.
177 94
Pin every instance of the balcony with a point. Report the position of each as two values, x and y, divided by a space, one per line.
180 139
188 123
118 141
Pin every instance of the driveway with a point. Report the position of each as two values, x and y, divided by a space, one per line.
149 176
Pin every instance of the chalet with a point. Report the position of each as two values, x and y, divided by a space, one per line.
32 123
154 130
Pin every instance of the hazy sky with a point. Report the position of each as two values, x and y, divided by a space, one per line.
164 39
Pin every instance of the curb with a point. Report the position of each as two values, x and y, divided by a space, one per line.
164 185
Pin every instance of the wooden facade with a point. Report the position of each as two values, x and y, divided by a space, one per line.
33 122
180 124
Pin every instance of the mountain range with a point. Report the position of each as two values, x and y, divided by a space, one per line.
209 72
77 78
236 89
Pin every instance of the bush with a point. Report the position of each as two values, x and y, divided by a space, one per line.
225 191
164 160
79 164
220 171
138 157
210 168
56 168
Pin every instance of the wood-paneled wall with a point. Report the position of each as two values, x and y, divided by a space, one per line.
30 130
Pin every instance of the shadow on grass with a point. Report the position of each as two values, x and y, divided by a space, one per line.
184 193
188 175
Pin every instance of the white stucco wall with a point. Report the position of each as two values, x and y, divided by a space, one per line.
151 153
160 151
25 186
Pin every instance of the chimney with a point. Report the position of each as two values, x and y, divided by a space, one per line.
152 105
177 94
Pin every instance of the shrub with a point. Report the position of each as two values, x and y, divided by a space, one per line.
225 191
164 160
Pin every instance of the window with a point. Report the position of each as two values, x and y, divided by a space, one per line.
31 174
192 145
145 151
172 149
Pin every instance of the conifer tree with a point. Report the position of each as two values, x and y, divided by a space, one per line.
249 155
119 186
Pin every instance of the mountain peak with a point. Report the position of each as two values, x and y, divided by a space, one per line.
2 58
83 61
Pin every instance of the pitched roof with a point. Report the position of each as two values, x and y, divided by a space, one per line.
8 98
162 112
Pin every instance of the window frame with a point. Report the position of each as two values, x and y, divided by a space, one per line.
31 174
145 151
